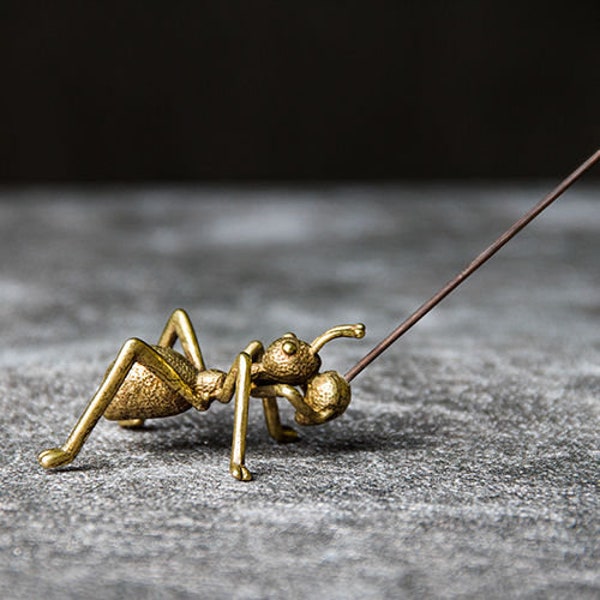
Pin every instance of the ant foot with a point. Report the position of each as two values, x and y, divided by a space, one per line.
131 423
55 457
240 472
288 435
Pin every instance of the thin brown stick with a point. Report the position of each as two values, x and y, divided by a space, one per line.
480 260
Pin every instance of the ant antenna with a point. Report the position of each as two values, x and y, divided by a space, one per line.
469 270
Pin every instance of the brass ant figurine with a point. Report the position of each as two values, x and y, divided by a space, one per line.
150 381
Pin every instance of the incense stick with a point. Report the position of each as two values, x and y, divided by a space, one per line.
471 268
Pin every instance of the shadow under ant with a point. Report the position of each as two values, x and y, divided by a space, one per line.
361 432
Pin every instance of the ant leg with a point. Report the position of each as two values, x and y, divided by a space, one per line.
238 380
254 350
133 351
280 433
292 395
180 327
242 367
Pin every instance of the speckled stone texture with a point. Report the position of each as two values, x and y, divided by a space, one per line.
465 466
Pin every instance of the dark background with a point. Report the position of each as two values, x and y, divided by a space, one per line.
127 91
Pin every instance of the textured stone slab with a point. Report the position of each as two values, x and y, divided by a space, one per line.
466 465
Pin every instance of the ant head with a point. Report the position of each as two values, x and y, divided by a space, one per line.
290 360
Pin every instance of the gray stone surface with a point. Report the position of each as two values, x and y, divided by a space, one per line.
466 465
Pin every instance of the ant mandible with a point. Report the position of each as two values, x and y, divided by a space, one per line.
151 381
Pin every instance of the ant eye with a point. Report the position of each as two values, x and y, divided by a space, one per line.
289 348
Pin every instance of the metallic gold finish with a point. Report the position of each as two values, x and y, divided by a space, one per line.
152 381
